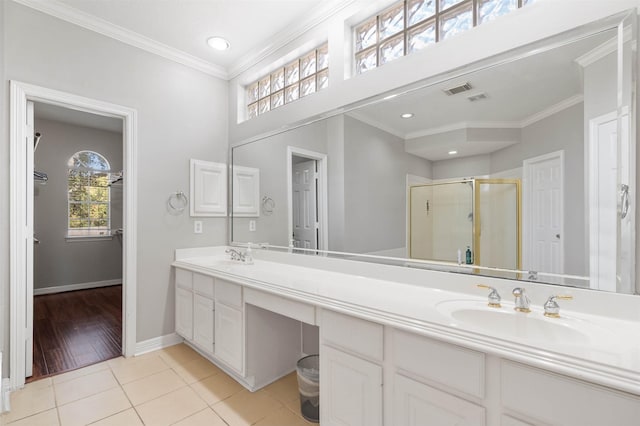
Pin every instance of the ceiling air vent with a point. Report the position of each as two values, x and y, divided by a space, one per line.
458 89
477 97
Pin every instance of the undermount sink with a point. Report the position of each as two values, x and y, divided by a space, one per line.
506 322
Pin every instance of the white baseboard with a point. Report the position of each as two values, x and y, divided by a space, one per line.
157 343
4 395
72 287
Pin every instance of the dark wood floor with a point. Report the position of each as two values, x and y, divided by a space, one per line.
75 329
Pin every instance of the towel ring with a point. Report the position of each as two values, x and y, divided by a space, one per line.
177 202
268 205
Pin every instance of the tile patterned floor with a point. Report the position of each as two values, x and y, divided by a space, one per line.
172 386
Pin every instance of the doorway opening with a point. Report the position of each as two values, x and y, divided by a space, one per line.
21 284
307 199
78 230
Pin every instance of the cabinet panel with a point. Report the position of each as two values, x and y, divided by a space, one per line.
351 389
184 278
184 313
560 400
203 322
453 366
228 293
357 335
203 284
228 335
417 404
281 305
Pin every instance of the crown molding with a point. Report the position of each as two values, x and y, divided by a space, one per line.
101 26
363 118
316 16
463 125
553 109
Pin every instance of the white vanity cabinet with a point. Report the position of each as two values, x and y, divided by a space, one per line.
229 325
184 303
435 382
350 371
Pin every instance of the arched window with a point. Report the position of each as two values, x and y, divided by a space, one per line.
89 194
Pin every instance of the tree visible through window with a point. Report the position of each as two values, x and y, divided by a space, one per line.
89 194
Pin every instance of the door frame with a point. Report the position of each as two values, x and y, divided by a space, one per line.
527 202
322 194
21 216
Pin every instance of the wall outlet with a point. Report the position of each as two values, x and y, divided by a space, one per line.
197 227
252 225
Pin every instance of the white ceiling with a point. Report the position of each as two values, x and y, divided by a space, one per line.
516 93
253 27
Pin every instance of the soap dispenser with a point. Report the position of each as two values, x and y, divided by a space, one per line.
469 258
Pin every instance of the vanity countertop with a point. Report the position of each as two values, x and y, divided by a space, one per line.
600 348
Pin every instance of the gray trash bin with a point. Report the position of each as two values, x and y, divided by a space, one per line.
308 369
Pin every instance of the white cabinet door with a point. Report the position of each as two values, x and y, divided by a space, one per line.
228 337
351 389
203 322
418 404
184 313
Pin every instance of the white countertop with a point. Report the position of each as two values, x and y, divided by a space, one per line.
607 350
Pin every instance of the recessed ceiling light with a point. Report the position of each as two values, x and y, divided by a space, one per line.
453 152
407 115
218 43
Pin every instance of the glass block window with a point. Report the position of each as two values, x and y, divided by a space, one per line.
88 195
306 75
410 25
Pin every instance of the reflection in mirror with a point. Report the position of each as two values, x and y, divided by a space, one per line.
522 163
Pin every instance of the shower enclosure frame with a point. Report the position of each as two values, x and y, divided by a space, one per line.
476 215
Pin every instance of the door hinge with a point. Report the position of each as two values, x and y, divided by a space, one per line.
317 225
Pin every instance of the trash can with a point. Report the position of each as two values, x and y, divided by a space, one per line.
308 369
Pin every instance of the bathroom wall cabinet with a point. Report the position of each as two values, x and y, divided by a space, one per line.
376 368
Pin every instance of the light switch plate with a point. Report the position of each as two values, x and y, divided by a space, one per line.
252 225
197 227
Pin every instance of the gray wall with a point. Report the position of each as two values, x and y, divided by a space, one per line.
476 165
56 261
375 170
182 114
269 155
563 130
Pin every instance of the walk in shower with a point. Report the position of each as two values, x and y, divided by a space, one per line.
475 221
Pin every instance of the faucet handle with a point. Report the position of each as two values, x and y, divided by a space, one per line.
494 297
551 307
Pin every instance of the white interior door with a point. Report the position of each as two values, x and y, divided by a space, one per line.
30 130
304 198
603 222
543 213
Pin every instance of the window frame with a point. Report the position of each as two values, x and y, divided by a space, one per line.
435 20
89 232
265 103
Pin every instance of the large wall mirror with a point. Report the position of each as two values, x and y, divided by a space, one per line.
522 166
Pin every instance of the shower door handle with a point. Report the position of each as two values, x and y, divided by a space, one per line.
624 200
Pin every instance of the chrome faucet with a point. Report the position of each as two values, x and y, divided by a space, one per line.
240 256
522 302
551 307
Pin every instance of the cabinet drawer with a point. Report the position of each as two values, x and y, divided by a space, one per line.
203 285
281 305
452 366
228 293
357 335
418 404
184 279
559 400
